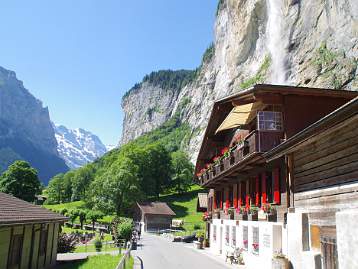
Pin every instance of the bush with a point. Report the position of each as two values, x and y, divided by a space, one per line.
197 226
66 243
125 230
63 211
98 245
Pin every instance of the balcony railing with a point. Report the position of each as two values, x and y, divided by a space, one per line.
254 142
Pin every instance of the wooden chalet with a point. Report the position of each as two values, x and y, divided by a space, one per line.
245 187
323 171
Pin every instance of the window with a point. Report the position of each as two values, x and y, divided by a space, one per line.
15 251
233 236
214 233
255 240
269 121
43 242
245 237
227 234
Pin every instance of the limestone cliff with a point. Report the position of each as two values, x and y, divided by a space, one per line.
25 129
293 42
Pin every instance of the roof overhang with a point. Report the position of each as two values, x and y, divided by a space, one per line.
347 113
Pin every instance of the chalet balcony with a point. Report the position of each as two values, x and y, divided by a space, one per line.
255 143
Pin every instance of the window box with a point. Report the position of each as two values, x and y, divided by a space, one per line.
252 217
231 212
216 214
227 163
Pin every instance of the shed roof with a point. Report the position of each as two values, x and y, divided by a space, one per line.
156 208
203 200
17 211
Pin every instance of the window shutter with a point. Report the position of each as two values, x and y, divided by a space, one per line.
276 186
235 195
264 195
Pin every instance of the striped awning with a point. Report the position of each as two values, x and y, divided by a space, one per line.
239 115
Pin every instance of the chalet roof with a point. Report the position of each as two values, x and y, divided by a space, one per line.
345 112
155 208
17 211
222 107
203 200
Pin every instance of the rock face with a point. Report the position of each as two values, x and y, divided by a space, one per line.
25 129
78 147
291 42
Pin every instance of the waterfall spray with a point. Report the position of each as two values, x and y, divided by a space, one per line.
276 41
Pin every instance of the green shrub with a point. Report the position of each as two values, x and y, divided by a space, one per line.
125 230
98 245
197 226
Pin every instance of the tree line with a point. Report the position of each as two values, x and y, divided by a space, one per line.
142 169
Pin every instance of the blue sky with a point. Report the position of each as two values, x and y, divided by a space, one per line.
79 57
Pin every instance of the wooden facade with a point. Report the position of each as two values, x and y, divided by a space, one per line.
324 176
243 177
28 234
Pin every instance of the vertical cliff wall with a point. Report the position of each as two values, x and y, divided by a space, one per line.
293 42
25 129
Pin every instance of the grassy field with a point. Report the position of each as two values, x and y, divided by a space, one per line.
91 248
76 205
184 206
99 261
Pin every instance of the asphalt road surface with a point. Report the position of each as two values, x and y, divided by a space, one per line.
156 252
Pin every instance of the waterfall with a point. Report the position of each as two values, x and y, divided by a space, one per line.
277 41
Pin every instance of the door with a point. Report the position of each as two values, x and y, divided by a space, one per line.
329 247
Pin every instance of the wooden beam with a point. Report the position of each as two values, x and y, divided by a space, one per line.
290 181
269 99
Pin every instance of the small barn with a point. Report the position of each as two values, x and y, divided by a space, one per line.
28 234
202 204
153 216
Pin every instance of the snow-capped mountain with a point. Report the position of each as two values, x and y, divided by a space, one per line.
78 147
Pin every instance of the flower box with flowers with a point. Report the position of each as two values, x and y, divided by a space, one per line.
216 214
240 213
206 216
268 212
255 248
253 214
231 212
245 244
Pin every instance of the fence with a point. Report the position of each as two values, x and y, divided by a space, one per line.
123 263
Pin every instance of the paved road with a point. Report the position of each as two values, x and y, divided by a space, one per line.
159 253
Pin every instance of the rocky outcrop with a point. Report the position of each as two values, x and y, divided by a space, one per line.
25 129
293 42
78 147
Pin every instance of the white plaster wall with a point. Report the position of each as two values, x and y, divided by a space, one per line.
347 239
300 258
270 241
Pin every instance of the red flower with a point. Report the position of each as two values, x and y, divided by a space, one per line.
216 158
224 150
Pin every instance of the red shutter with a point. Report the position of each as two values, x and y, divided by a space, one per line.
257 191
235 195
227 202
276 186
239 193
263 189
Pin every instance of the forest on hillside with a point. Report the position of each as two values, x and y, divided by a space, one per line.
148 166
